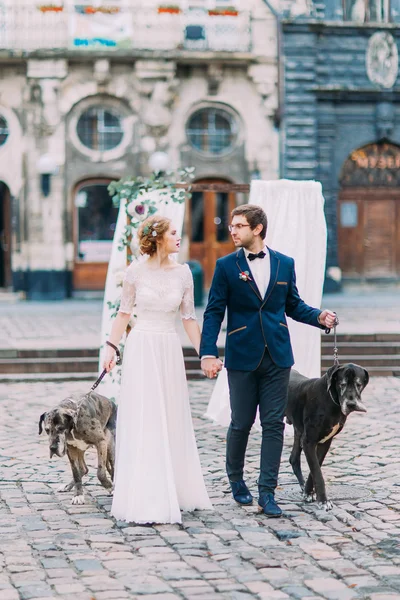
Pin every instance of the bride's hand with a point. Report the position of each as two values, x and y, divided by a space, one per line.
109 359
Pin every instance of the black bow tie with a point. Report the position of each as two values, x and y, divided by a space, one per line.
252 256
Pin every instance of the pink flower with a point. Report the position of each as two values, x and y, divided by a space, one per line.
139 209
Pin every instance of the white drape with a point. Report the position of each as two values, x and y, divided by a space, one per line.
165 207
297 227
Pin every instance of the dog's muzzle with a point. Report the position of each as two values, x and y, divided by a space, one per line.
57 450
350 406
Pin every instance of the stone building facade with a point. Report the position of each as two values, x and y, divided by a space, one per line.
341 126
89 91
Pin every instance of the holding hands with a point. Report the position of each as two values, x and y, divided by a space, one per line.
211 366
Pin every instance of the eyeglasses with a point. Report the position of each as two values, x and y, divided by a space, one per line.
239 227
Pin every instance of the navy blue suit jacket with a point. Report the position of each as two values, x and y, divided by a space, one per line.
254 322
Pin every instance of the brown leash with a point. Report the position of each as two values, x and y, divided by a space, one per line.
103 373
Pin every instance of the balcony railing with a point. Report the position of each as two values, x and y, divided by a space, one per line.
38 27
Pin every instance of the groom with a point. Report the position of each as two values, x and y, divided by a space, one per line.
258 287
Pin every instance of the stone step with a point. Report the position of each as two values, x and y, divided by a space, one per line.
358 348
374 371
13 353
33 377
191 374
82 364
366 360
361 337
379 353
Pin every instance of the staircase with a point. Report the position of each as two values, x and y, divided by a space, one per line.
48 365
379 353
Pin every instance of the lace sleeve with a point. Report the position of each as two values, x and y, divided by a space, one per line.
187 305
128 295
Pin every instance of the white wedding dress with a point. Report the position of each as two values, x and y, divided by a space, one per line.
157 471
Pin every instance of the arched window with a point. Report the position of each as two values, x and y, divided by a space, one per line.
212 130
4 131
100 128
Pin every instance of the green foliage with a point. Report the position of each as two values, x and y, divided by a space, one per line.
139 204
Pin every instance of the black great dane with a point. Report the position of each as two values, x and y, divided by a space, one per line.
318 409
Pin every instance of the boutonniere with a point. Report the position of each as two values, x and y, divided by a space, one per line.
244 276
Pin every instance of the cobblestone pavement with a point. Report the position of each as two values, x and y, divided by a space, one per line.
52 549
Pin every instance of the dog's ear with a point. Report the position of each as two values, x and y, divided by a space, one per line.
331 375
42 418
366 377
70 422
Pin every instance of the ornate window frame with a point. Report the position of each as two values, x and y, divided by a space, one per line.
115 105
235 119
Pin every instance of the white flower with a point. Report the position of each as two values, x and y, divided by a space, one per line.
119 278
138 210
154 233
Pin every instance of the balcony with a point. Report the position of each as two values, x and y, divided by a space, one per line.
115 29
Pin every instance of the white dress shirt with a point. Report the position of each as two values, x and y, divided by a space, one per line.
261 270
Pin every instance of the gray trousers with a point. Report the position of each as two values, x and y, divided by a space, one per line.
266 388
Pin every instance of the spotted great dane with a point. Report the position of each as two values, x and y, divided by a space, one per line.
78 422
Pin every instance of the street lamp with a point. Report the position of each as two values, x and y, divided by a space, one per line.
46 166
159 162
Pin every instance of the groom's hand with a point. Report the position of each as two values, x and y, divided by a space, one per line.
327 318
211 367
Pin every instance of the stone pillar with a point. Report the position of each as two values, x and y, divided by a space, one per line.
47 277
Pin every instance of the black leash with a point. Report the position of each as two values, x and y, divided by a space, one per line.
103 373
335 348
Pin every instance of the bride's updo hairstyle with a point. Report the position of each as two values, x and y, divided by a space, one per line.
151 233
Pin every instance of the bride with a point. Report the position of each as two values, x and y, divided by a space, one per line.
157 470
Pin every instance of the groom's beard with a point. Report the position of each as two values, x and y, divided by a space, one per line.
238 243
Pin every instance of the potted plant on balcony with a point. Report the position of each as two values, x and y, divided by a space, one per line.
228 11
171 9
50 8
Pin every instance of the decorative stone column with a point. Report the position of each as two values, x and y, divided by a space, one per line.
46 274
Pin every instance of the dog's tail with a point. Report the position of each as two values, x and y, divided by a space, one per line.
112 421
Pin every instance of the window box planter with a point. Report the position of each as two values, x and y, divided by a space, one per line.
223 12
107 10
171 10
50 8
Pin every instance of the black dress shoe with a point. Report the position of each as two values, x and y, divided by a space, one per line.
241 492
268 506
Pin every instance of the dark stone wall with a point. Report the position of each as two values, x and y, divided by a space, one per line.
330 105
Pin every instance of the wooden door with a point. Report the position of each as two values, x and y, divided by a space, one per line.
5 237
380 238
209 218
369 232
95 219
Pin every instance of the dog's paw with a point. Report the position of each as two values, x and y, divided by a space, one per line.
309 498
65 488
78 499
325 505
